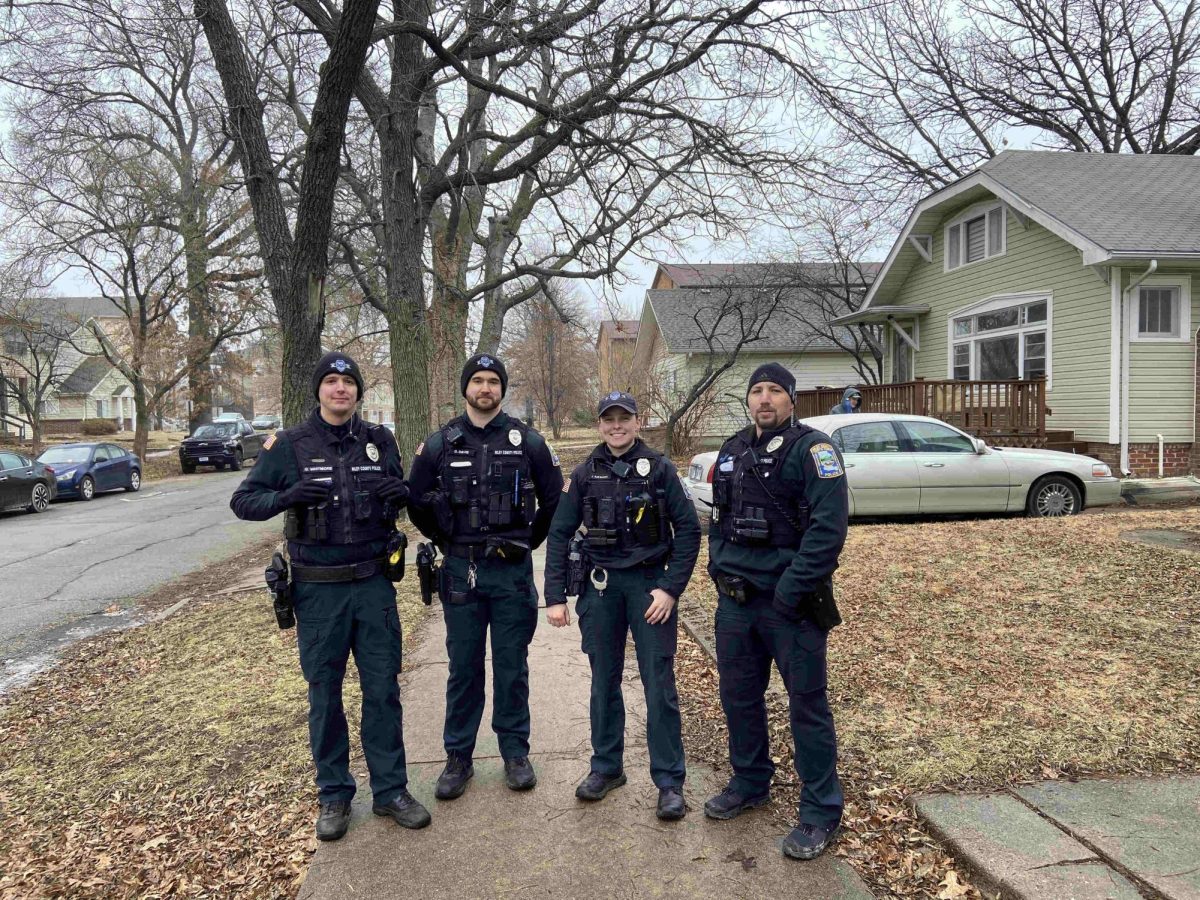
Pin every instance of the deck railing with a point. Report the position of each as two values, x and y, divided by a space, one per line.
982 408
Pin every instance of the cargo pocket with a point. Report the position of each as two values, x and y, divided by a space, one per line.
664 637
806 662
312 636
395 640
582 607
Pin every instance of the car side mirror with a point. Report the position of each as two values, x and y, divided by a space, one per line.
981 446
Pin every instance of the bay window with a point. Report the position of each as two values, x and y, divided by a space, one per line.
1003 339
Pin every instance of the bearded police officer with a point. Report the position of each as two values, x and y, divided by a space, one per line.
641 542
780 508
484 488
341 483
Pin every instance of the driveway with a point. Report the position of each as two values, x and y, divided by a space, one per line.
66 570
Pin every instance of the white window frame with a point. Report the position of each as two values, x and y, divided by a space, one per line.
960 221
991 304
1184 283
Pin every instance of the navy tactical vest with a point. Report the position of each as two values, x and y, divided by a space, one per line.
752 505
622 509
353 513
486 477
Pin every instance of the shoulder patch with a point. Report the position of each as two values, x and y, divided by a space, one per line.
269 443
826 460
420 447
553 455
566 484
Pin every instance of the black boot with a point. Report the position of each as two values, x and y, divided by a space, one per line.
809 841
519 774
453 780
729 804
404 810
333 820
597 785
670 804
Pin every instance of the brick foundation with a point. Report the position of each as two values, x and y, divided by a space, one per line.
1195 460
1178 459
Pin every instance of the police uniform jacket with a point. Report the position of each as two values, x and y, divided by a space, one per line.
639 483
353 458
793 479
468 484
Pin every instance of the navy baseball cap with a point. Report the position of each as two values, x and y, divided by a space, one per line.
617 398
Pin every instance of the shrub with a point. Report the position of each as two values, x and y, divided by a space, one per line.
98 426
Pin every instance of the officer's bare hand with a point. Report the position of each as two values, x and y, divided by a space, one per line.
558 615
661 604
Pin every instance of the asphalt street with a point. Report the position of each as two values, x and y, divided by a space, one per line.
63 572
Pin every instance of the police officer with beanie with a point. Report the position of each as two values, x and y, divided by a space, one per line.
641 544
340 482
780 508
484 488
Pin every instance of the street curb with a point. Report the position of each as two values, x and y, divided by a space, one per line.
695 634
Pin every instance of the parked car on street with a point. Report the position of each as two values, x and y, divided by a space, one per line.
229 417
25 483
219 445
266 423
85 470
898 465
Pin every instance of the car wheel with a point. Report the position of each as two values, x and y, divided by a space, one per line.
237 461
1054 495
188 468
135 482
39 498
87 488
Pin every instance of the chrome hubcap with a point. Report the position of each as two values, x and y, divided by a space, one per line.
1055 500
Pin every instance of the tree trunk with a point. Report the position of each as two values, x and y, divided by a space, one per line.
141 431
195 251
447 326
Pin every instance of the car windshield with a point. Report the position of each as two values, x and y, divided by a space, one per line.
57 456
216 431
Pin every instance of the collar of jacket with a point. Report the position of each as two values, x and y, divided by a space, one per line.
501 421
327 432
603 454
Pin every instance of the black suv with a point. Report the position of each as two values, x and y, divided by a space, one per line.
219 445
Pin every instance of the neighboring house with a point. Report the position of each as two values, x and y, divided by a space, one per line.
676 330
1075 267
614 352
89 386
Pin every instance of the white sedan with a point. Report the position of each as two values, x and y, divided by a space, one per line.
912 465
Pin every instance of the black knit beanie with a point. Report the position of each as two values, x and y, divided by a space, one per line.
776 374
484 362
338 363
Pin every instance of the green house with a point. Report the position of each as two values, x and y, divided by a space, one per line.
1075 268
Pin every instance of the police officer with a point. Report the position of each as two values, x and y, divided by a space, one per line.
484 488
641 544
340 481
780 508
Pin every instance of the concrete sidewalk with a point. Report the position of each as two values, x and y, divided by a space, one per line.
493 842
1085 840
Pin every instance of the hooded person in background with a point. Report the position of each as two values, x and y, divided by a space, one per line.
851 403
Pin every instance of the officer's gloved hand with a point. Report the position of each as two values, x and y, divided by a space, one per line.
787 610
392 490
305 493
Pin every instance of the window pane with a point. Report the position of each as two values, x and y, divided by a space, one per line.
962 362
975 236
952 246
9 461
962 327
1001 318
1157 311
1035 355
869 437
998 359
995 231
1036 312
929 437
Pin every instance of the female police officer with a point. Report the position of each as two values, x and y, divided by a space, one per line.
641 543
341 483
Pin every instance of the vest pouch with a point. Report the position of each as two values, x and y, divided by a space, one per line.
645 526
589 512
751 527
528 503
460 490
500 508
721 493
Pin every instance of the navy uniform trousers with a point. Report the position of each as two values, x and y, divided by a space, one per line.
748 639
505 601
604 621
333 621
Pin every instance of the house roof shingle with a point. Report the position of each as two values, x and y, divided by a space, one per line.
1124 202
86 376
691 275
685 315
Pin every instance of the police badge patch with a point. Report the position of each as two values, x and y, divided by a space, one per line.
643 467
514 437
774 444
826 460
372 453
553 455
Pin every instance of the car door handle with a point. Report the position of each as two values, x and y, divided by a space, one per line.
849 465
934 465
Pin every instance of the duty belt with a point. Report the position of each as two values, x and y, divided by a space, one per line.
327 574
465 551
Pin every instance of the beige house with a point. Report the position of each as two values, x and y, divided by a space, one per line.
1078 270
697 315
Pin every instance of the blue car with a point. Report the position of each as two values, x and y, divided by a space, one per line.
84 470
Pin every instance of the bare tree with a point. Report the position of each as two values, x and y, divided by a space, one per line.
921 92
550 353
35 357
136 75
